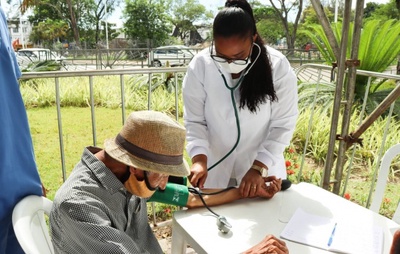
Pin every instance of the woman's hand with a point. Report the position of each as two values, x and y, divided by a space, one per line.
251 182
198 171
270 244
254 185
271 186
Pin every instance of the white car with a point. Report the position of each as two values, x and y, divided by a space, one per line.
175 55
40 54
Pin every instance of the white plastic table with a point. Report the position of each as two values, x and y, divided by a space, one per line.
253 219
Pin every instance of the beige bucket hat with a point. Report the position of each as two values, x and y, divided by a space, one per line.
151 141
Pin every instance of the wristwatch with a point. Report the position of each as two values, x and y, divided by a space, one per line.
262 170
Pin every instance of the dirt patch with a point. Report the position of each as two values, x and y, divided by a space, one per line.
163 232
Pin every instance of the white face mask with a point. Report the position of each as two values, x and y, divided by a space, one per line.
234 68
237 68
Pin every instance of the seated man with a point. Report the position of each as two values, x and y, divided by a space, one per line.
101 208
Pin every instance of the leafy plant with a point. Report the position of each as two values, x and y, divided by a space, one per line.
379 48
47 65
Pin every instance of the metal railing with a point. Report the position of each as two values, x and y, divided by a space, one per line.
120 58
121 73
321 74
311 73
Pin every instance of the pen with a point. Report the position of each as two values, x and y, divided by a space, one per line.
332 235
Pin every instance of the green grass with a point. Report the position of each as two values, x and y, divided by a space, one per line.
77 134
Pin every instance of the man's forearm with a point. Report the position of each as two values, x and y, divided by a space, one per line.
213 200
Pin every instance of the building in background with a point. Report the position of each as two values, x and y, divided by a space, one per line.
20 30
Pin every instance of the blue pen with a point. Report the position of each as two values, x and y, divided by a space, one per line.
332 235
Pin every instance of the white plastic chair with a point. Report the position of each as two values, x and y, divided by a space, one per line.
382 181
30 225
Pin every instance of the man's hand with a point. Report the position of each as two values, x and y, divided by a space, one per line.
270 244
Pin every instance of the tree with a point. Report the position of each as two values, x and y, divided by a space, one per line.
81 16
49 31
146 20
268 24
186 15
370 9
98 13
283 10
35 3
386 11
309 16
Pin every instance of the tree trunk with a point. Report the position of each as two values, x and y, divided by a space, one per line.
283 13
74 25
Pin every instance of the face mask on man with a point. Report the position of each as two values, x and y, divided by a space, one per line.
138 188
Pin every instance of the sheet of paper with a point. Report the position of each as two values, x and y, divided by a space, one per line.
348 237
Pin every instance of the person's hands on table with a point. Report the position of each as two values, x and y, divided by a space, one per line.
254 185
270 244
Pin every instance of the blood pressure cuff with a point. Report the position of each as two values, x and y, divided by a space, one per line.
173 194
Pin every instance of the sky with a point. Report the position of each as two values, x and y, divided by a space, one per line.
209 4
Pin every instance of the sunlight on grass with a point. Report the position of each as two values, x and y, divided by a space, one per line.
77 134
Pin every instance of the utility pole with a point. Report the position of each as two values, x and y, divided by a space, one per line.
105 20
336 10
20 27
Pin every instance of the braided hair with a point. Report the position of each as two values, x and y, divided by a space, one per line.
237 20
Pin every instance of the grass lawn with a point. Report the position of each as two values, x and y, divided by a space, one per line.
77 134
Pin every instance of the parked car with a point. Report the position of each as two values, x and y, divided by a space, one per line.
25 59
40 54
36 59
175 55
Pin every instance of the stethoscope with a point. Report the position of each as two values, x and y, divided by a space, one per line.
222 223
232 90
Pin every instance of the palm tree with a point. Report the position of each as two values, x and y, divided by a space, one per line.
33 3
379 48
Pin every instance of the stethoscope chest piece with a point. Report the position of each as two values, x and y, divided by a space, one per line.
223 225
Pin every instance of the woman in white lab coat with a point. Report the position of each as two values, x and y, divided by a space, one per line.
240 106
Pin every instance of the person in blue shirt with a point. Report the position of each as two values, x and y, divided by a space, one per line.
18 173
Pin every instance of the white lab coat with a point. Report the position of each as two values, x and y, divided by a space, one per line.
211 124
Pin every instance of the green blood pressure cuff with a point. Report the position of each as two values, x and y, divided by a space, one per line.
173 194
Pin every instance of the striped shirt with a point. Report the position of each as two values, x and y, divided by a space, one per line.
94 213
